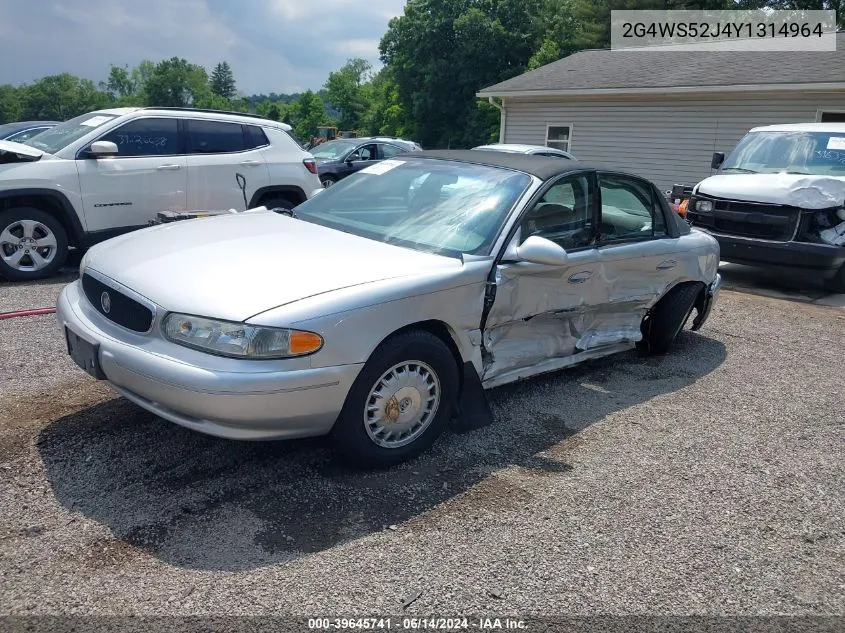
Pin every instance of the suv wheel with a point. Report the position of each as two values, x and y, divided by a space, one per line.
33 244
278 203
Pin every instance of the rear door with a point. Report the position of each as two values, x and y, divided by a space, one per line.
543 313
639 258
147 176
226 164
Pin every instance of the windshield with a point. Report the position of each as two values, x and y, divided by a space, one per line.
435 206
333 150
57 138
818 153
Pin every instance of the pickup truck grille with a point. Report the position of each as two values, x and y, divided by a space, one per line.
122 310
749 219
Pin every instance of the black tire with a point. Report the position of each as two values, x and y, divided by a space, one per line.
837 282
665 321
57 254
278 203
328 180
350 435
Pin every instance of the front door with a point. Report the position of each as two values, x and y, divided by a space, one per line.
543 313
148 175
225 169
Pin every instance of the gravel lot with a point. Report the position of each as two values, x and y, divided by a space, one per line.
707 482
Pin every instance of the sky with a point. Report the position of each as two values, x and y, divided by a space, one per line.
281 46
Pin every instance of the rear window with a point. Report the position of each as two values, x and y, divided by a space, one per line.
215 137
255 137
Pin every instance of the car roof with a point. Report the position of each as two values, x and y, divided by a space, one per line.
514 147
199 113
25 125
539 166
838 128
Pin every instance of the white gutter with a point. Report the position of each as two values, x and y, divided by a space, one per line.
503 120
814 87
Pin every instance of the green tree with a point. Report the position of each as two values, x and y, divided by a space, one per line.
223 81
307 114
384 115
441 52
61 97
120 82
176 83
344 91
10 103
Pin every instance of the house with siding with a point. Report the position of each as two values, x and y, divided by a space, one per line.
663 113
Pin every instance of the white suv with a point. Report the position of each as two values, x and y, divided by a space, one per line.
110 171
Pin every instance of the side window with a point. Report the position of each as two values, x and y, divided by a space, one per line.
564 214
214 137
369 152
20 137
146 137
255 137
629 209
389 151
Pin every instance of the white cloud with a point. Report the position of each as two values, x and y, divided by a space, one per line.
272 45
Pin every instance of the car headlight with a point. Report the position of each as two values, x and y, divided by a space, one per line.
704 206
238 340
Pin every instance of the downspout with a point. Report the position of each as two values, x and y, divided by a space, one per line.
504 117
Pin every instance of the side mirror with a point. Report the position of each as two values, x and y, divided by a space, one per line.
101 149
539 250
718 159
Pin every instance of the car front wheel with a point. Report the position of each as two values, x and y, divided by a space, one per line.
399 403
33 244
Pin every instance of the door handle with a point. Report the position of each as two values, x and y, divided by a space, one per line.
168 167
251 163
667 265
579 278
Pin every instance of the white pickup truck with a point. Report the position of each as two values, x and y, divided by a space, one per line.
778 199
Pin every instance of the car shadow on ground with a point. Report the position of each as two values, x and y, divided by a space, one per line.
210 504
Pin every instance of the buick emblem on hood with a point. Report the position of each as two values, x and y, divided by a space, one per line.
105 302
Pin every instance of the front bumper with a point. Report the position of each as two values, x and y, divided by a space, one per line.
242 401
824 258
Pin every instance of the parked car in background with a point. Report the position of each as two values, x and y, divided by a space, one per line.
396 303
779 200
339 158
111 171
24 130
536 150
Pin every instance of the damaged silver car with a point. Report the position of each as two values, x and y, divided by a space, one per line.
385 305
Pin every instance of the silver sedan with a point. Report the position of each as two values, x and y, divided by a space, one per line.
384 306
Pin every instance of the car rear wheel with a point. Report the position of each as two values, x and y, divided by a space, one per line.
33 244
665 321
328 181
399 403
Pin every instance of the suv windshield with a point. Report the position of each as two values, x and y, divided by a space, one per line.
818 153
57 138
435 206
333 150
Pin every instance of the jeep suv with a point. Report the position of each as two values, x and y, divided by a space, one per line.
111 171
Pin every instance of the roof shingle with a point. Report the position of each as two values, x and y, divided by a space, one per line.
604 69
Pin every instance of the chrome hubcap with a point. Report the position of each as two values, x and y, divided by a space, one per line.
402 404
27 245
328 183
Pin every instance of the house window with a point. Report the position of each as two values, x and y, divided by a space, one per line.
559 136
834 116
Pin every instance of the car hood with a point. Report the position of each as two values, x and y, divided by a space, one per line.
24 152
797 190
236 266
